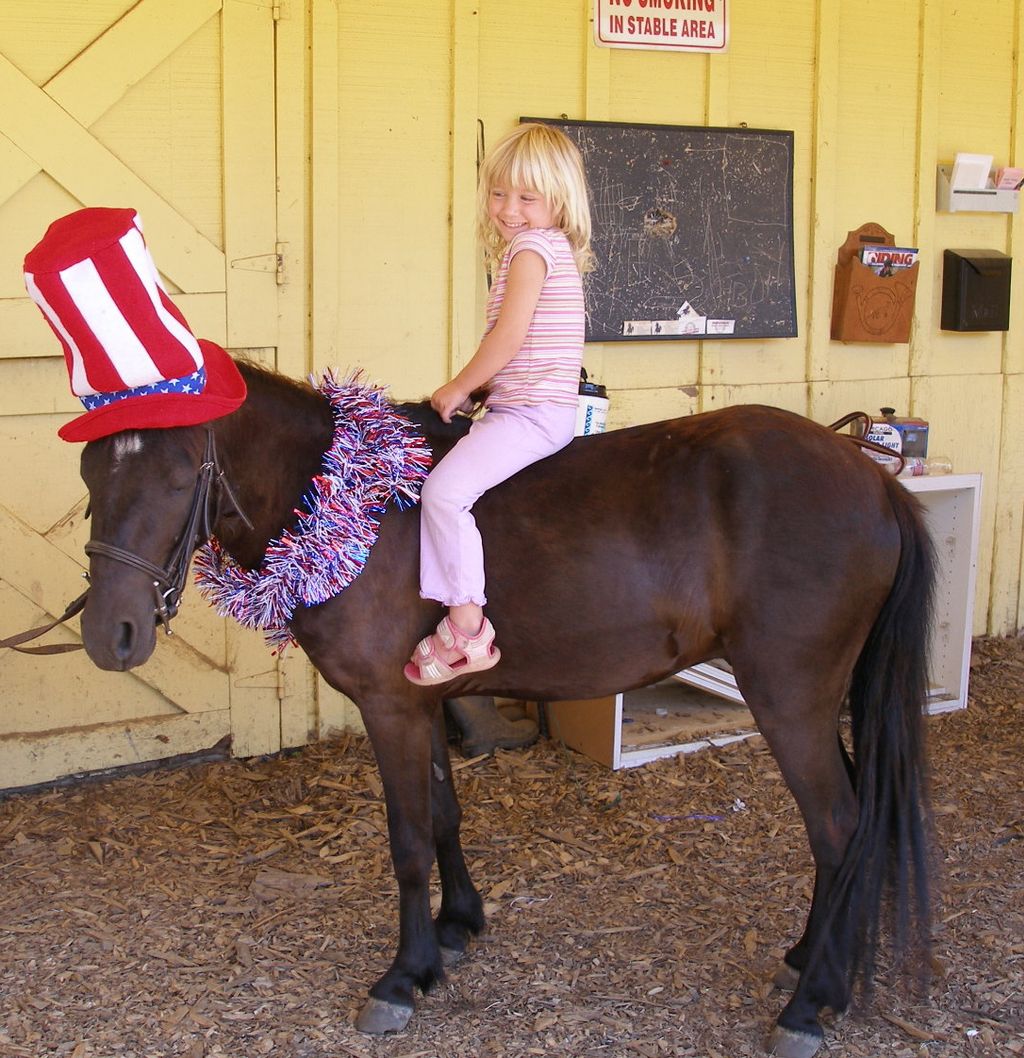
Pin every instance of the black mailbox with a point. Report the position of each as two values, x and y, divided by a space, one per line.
975 290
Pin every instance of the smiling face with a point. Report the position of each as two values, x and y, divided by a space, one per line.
514 209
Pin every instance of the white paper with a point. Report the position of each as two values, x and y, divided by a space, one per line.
721 326
971 171
668 327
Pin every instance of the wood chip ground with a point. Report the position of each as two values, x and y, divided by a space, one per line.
242 908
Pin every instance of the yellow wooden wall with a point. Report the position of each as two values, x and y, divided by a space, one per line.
167 106
877 94
380 110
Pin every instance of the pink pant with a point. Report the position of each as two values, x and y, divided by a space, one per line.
498 445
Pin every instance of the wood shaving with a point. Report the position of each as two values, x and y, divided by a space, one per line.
243 908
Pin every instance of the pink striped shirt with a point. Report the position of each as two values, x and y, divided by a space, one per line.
546 369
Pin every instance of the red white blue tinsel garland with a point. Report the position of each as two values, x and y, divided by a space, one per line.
375 457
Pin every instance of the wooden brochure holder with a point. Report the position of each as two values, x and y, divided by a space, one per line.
867 307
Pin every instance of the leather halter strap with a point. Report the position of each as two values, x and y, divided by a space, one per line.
168 581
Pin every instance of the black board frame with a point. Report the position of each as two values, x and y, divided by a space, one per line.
739 265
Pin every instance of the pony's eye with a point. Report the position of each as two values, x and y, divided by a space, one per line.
181 480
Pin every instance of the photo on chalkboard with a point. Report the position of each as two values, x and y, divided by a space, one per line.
693 231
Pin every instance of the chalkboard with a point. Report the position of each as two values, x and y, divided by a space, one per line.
693 231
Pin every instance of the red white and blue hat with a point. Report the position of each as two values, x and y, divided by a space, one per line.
131 357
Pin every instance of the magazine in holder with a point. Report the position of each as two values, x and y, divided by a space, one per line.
866 306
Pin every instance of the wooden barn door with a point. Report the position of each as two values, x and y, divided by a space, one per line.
167 106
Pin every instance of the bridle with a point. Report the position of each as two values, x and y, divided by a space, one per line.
168 581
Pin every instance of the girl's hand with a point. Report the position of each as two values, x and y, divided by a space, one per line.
449 399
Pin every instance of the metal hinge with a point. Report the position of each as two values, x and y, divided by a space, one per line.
264 262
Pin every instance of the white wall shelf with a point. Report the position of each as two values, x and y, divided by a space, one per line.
702 706
949 199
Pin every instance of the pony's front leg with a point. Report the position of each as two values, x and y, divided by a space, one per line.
401 743
461 912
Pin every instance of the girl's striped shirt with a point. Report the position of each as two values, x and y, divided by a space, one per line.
547 367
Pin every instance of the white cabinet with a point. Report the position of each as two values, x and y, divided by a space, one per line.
952 504
701 706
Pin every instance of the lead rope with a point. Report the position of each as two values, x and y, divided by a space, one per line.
14 642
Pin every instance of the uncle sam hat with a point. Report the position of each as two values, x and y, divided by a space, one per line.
131 357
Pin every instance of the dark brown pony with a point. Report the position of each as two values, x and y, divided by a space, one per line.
749 534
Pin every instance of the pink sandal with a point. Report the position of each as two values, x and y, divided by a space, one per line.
426 667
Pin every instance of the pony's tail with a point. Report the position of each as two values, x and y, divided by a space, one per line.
888 855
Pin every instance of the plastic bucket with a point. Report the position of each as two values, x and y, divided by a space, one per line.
591 409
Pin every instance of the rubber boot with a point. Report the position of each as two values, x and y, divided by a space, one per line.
484 729
512 710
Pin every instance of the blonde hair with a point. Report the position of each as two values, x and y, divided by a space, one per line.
543 159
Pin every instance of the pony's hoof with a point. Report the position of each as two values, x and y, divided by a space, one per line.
789 1044
451 956
379 1016
786 978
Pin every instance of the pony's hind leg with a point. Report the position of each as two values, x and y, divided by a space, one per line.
461 912
787 976
800 727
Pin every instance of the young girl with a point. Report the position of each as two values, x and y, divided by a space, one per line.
534 221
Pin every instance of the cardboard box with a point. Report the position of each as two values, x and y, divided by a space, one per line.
913 433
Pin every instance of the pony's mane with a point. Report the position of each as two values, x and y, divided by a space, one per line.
251 371
432 425
419 412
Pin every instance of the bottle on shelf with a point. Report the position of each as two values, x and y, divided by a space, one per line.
916 466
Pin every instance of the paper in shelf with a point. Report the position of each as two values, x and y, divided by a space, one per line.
971 172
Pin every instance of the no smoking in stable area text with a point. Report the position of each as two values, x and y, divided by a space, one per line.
691 28
667 5
653 23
